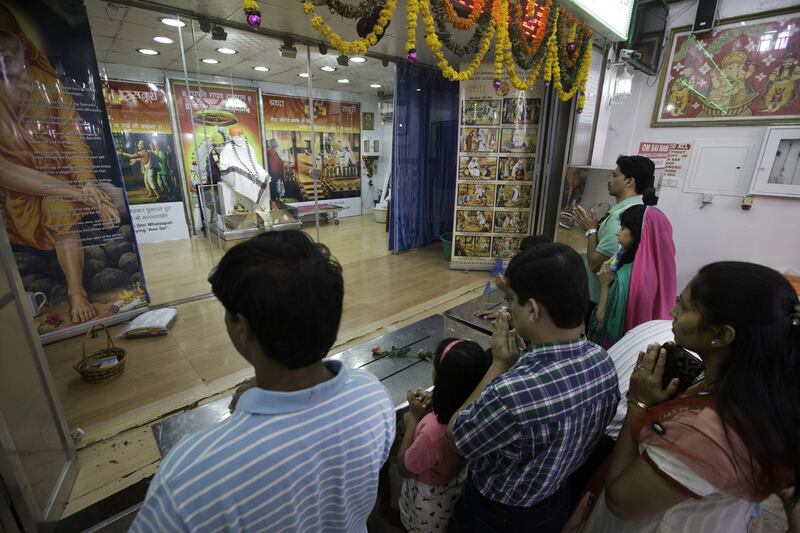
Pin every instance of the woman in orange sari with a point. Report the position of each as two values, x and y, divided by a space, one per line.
47 184
701 460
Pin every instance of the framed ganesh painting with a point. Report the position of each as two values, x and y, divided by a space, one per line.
746 71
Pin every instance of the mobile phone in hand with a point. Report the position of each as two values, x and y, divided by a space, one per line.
681 364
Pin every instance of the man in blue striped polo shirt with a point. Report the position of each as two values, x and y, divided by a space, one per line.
304 446
539 410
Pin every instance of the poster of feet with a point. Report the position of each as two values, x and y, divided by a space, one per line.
496 172
145 146
747 71
69 223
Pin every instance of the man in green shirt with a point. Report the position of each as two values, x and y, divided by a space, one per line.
631 183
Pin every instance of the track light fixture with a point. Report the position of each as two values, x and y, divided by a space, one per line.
287 49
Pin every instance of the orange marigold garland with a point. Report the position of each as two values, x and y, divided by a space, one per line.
528 19
460 22
505 55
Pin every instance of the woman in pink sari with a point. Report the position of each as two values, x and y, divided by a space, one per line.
639 283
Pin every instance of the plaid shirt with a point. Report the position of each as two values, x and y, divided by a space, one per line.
536 424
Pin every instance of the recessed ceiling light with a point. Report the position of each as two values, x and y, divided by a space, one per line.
147 51
358 59
375 85
163 40
343 80
328 68
227 51
261 69
210 61
303 74
175 23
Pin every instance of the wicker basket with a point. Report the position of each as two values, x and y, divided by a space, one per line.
107 373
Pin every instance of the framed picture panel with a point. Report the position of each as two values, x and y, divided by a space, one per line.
745 72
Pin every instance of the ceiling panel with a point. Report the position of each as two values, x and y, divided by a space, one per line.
118 31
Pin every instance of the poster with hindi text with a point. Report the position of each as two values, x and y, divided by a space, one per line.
144 141
207 114
337 128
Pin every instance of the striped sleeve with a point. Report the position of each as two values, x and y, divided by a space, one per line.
486 426
159 512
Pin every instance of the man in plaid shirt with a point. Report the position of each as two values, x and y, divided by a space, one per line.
538 411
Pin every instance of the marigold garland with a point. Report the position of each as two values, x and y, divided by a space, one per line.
541 26
528 58
359 46
363 9
473 45
412 9
505 55
464 23
433 42
559 48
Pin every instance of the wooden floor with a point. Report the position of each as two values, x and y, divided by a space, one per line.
196 361
176 270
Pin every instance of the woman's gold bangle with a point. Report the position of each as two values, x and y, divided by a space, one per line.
637 403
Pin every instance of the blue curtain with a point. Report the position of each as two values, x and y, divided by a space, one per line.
424 156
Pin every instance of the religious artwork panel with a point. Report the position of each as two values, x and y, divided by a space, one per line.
140 126
516 169
521 110
473 221
368 121
481 112
511 221
472 246
142 134
518 140
62 197
514 195
574 185
479 139
206 115
505 247
337 128
747 71
477 168
475 195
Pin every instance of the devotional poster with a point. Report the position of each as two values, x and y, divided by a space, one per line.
496 171
207 115
61 193
142 133
746 71
337 128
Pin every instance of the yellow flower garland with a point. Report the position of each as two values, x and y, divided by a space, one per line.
549 67
435 45
412 9
504 54
359 46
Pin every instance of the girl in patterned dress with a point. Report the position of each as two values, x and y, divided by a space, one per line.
433 471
